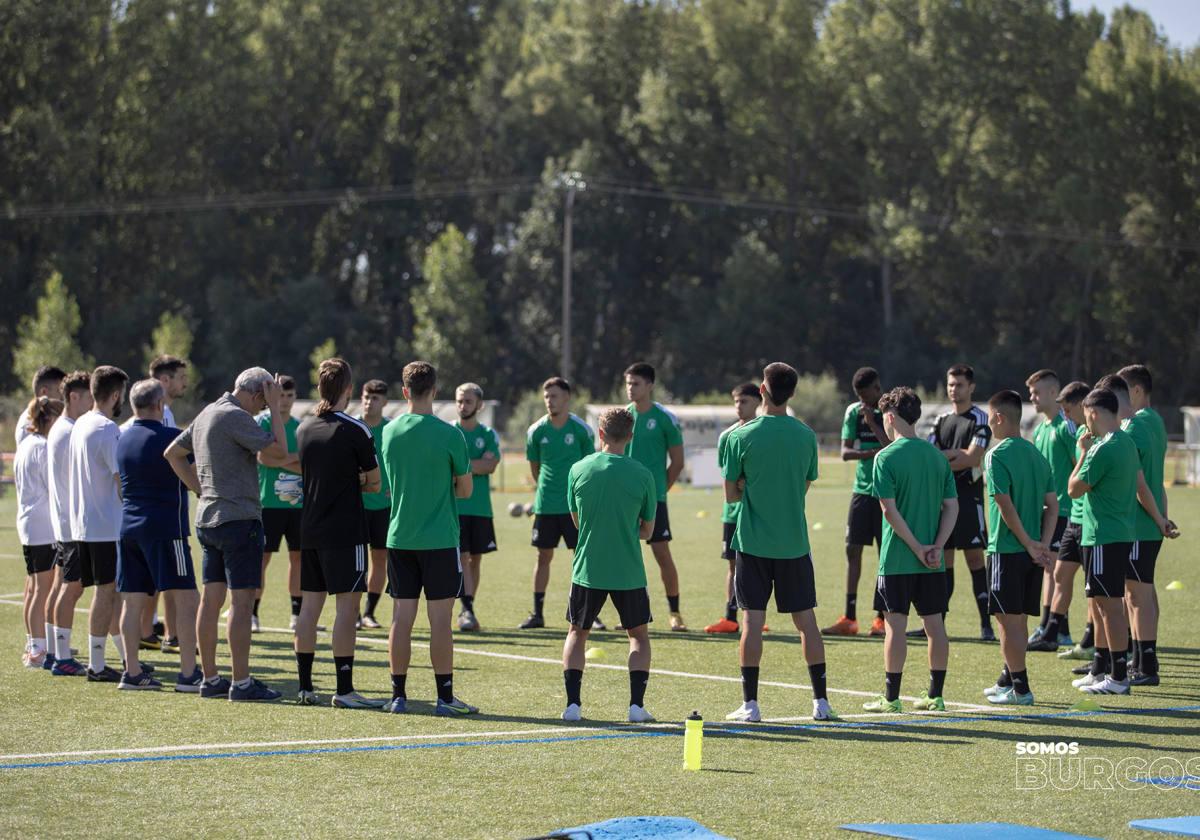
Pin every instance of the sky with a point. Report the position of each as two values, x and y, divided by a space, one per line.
1179 20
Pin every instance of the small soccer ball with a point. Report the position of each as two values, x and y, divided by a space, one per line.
529 509
515 508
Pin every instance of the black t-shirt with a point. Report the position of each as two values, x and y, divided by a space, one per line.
334 449
959 431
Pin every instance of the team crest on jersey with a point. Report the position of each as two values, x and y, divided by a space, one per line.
479 443
545 441
569 439
651 423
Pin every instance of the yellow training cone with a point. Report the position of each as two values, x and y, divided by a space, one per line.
701 514
817 526
594 653
1087 704
1175 585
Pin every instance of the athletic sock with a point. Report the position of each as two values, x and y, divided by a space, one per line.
1135 656
1063 626
1053 627
1100 662
673 606
304 663
445 687
637 687
1045 615
62 642
96 652
50 634
257 601
468 602
398 686
937 682
37 645
816 675
731 611
116 640
1149 661
892 685
573 680
749 684
1120 666
1020 682
1129 646
372 602
296 601
979 587
1005 679
539 602
851 606
949 585
1089 636
344 665
246 683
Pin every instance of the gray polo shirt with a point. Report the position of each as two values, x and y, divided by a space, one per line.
224 439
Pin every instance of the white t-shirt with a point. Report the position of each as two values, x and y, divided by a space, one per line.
58 468
168 419
33 492
22 426
94 500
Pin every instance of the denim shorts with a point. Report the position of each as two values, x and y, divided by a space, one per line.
233 553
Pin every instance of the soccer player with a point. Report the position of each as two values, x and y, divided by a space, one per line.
1022 516
280 491
1106 477
224 439
769 464
47 382
919 501
428 468
477 532
95 504
154 554
68 586
378 504
614 500
746 402
963 436
862 437
658 445
337 462
1149 435
31 478
1054 437
552 446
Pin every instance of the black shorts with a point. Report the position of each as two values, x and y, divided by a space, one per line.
584 605
925 592
970 529
97 563
334 570
476 534
38 558
67 556
377 527
662 525
792 580
727 531
1070 549
279 523
864 523
548 528
1143 560
436 571
1060 528
1106 566
1014 584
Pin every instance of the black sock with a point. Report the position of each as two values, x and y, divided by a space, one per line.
445 687
949 585
673 603
468 602
731 611
1020 682
304 663
979 587
892 685
1005 679
539 601
257 601
816 675
296 600
344 666
1053 627
749 683
573 679
1089 636
1100 662
1120 666
1129 646
398 686
1063 627
1148 664
372 602
937 682
637 687
852 606
1045 615
1135 656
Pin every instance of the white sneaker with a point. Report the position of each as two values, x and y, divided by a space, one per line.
354 700
307 698
638 714
994 690
1107 686
572 713
747 713
254 625
1086 680
821 710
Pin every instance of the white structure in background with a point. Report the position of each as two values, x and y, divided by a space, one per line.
397 406
1191 442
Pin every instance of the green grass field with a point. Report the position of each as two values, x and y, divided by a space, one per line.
175 765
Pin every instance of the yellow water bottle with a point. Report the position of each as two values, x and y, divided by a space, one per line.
693 741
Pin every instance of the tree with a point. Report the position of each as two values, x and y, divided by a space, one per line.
173 337
327 349
48 338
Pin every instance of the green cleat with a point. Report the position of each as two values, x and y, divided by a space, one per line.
925 703
883 705
1077 652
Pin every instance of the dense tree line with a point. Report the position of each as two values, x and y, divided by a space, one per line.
903 183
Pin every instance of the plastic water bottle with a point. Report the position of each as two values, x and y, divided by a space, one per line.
693 741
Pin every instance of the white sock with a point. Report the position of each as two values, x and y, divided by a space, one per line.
28 641
116 637
243 683
50 635
96 652
38 646
62 643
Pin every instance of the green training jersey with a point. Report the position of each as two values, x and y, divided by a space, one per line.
918 477
381 500
1055 439
610 495
556 450
280 488
1077 504
422 455
655 431
855 429
1015 468
1149 435
729 513
480 441
1110 468
777 456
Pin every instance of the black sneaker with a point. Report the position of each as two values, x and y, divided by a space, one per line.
986 634
159 629
256 692
919 633
532 623
1043 645
1141 678
218 689
141 682
107 674
151 642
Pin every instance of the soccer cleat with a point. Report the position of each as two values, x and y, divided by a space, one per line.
842 627
218 689
48 662
105 675
724 626
638 714
1082 669
1065 640
993 690
1009 697
1087 680
884 705
169 644
467 622
677 623
142 682
878 628
1142 678
821 710
151 642
986 633
1107 685
255 627
35 660
572 713
455 708
1037 634
597 624
748 712
534 622
68 668
354 700
190 685
919 633
925 703
307 698
1078 652
256 692
1043 645
369 622
396 706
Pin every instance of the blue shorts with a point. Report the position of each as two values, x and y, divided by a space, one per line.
151 566
233 553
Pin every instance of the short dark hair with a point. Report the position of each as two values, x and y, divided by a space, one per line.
106 381
1137 375
166 366
375 386
643 369
617 424
1007 403
419 378
77 380
747 389
780 379
1114 383
47 375
864 377
557 382
286 383
1073 393
1038 376
904 402
963 370
334 376
1102 398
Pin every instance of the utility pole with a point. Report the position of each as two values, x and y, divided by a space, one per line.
573 182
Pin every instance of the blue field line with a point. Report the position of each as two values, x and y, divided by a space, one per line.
1186 782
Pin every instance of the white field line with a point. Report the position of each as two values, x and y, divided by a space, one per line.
13 595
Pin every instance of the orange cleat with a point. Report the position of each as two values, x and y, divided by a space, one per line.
877 628
723 626
842 627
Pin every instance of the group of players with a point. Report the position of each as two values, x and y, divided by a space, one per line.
363 501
